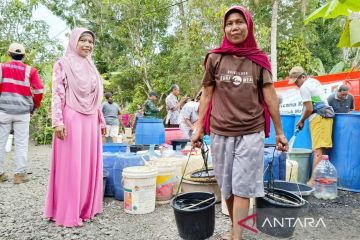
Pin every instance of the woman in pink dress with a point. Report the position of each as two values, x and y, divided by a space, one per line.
76 177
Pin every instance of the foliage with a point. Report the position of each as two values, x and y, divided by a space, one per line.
40 126
16 24
335 8
293 52
149 45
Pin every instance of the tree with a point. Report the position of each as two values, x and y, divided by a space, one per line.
274 18
335 8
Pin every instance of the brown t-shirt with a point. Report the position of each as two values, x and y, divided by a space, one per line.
236 106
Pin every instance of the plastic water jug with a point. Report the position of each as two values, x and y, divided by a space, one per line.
325 179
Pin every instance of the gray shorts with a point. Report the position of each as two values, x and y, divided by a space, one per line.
238 164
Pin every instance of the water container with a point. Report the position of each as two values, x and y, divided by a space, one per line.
165 181
173 133
179 142
292 168
325 179
279 164
123 161
109 161
149 131
302 157
119 138
345 154
139 189
287 122
303 138
179 163
114 147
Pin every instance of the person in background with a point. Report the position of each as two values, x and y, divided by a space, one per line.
75 191
173 106
312 94
189 116
237 100
342 101
21 92
139 114
150 109
112 114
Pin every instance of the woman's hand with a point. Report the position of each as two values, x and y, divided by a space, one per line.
281 143
103 131
60 132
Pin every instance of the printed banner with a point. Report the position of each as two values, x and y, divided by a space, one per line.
292 102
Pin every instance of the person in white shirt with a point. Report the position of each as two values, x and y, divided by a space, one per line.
189 115
313 96
173 107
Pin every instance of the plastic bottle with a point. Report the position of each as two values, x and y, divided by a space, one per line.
325 179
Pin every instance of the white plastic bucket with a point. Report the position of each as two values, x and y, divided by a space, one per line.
178 163
128 132
139 189
165 181
119 138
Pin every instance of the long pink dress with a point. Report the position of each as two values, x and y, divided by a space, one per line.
76 177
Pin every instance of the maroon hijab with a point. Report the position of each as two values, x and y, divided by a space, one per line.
248 48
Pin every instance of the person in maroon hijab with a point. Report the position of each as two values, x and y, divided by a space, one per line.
237 102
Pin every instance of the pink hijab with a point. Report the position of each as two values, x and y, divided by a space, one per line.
84 92
248 48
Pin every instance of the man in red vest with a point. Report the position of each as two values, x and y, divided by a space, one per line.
21 92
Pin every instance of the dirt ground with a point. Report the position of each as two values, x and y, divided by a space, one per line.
21 209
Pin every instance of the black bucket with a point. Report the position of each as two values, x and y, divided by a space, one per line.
277 218
196 223
296 188
181 142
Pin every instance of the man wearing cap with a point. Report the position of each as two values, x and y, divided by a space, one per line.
112 114
150 110
21 92
312 94
342 101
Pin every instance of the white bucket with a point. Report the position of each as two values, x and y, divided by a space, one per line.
292 168
119 138
178 163
128 132
165 181
139 189
9 143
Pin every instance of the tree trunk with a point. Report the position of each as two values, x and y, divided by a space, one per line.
183 20
274 39
303 7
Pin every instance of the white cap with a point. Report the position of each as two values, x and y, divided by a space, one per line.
17 48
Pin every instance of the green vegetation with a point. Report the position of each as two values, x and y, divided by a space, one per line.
145 45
